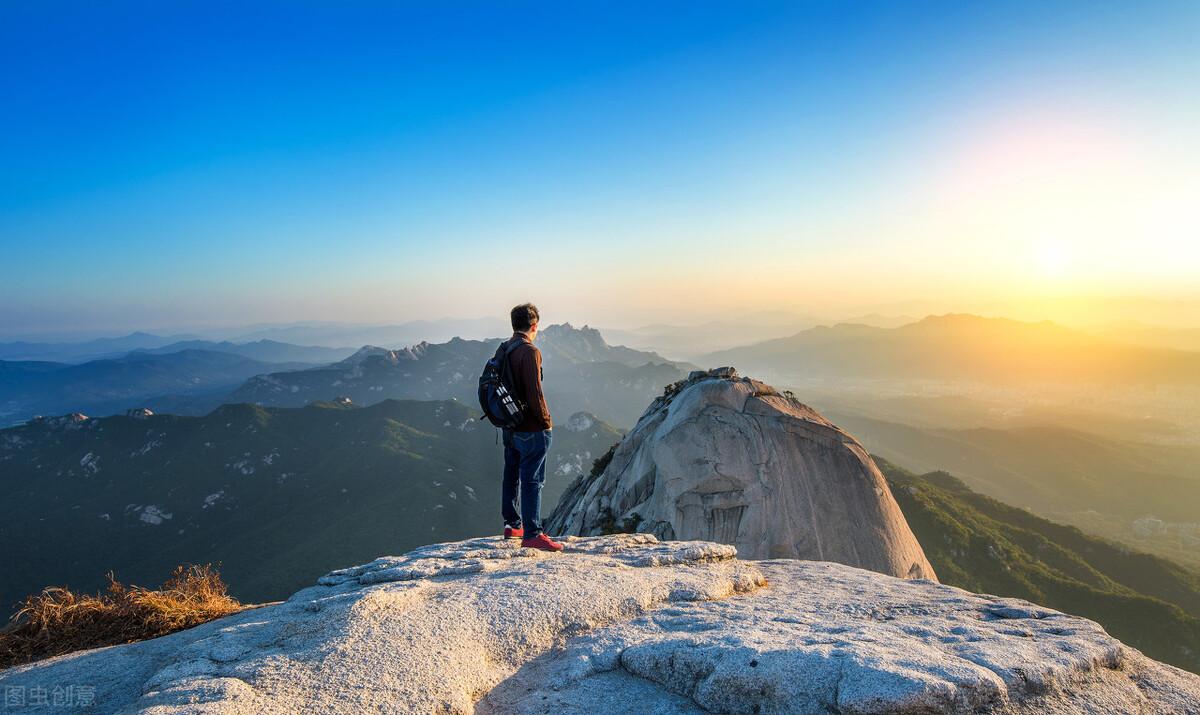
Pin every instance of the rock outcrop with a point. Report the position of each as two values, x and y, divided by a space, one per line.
729 459
620 623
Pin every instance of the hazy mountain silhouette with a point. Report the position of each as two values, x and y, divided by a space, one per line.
113 385
85 350
337 334
962 347
269 351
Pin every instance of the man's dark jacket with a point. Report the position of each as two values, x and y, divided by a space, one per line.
526 363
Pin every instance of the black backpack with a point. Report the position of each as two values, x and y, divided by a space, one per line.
496 394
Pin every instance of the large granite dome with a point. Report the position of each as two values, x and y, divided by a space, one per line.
729 459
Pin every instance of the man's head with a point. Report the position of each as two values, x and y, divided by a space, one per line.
525 319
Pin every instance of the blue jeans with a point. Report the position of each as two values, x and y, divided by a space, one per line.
524 465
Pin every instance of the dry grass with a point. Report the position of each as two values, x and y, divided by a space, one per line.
58 621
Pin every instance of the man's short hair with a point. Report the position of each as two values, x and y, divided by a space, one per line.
524 316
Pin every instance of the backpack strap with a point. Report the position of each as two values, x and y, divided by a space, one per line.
506 373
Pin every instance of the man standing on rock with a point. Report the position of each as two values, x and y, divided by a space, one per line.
525 445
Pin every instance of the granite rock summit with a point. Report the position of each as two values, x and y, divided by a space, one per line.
622 624
729 459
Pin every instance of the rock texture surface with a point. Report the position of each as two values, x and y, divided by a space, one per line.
730 459
622 623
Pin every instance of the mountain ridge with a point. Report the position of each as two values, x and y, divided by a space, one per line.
267 351
113 385
583 372
963 346
611 380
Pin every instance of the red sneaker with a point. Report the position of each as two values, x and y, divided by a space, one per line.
541 541
514 532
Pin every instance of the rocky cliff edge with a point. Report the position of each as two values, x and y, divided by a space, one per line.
623 623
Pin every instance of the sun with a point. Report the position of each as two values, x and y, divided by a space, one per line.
1052 259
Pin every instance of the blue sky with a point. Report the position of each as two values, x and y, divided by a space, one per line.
186 164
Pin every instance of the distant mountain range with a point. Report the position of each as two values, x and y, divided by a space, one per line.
961 347
86 350
194 377
113 385
267 351
693 342
983 545
334 335
687 341
582 372
401 334
277 496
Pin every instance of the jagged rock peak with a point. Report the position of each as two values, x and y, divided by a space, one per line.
624 623
567 328
584 336
365 352
71 421
730 459
581 421
372 352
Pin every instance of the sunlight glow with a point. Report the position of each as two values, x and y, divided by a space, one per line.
1052 260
